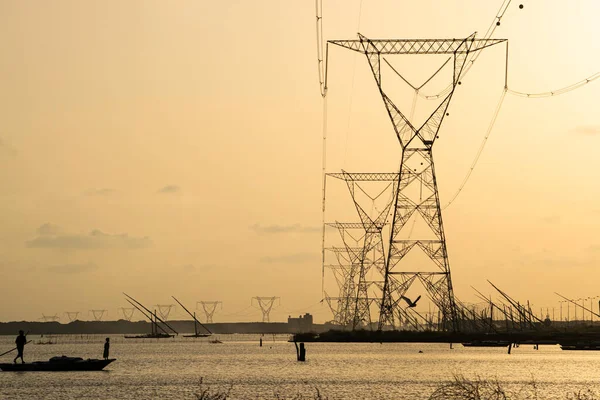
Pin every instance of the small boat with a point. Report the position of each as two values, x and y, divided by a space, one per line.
63 363
196 323
487 343
581 346
155 335
198 335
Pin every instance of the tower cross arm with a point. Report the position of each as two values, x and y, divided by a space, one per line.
345 225
415 46
364 176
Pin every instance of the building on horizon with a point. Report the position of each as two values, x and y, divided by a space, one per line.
302 324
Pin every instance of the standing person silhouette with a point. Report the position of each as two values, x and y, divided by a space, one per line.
20 342
106 348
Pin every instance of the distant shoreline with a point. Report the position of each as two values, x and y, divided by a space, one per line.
140 327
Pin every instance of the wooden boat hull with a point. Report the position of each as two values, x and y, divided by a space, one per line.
55 365
198 335
484 343
149 336
581 346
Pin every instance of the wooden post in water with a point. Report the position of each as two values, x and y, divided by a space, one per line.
260 343
300 352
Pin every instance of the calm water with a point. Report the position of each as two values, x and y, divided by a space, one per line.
171 369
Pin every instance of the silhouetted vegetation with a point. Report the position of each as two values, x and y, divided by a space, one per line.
206 393
459 388
483 389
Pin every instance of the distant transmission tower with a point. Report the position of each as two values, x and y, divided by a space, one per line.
266 305
98 314
209 308
360 258
50 318
417 194
164 310
127 312
72 315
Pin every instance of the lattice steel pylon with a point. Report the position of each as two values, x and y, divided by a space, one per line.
50 318
345 273
417 168
164 310
357 292
72 315
266 305
98 314
127 312
209 308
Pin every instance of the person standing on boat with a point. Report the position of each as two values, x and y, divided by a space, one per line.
20 342
106 348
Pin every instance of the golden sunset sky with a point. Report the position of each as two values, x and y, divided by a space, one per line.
174 148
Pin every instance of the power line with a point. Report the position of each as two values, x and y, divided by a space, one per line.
552 93
481 147
557 92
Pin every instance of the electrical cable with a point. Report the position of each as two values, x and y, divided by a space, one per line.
473 56
481 147
553 93
557 92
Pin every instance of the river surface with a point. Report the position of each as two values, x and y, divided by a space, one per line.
173 369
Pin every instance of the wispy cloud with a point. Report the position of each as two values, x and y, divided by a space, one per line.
50 236
587 130
169 189
99 192
72 268
294 258
48 229
274 229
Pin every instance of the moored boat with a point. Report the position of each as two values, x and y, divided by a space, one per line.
198 335
197 323
59 364
580 346
156 335
487 343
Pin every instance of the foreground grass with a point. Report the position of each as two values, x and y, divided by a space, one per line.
207 393
482 389
459 388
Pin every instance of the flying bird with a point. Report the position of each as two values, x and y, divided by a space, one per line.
411 304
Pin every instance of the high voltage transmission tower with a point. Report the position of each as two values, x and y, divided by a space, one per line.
358 259
416 198
50 318
72 315
98 314
266 305
209 308
127 312
164 310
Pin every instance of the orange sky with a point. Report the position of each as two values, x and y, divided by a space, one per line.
175 149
